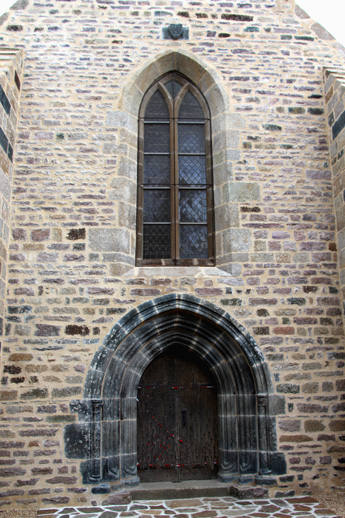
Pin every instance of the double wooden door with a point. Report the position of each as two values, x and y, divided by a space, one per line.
177 420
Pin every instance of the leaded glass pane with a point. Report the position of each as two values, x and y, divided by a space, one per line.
156 242
174 207
192 206
157 169
192 170
191 138
157 107
193 242
157 205
190 108
173 88
157 138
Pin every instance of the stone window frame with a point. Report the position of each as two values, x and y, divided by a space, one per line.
233 242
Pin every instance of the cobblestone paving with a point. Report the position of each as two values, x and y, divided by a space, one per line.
220 507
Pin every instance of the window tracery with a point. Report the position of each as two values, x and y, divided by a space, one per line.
175 190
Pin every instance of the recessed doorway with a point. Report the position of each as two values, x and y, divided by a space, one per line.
142 345
177 419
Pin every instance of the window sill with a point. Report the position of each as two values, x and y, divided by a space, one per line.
176 271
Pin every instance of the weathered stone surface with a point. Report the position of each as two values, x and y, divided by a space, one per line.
242 192
109 240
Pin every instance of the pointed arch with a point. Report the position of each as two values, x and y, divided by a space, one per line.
225 150
246 401
208 81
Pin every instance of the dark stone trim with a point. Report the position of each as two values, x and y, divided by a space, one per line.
246 403
338 126
4 101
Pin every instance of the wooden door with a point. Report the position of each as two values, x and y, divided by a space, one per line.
177 420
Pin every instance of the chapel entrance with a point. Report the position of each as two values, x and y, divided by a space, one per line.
177 419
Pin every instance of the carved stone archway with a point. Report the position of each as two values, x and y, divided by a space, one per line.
246 402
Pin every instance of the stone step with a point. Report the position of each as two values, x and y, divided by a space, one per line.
194 489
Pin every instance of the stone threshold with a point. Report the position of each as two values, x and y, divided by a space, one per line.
193 489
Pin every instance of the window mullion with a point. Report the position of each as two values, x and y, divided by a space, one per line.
175 208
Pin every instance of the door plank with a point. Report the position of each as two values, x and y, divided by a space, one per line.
177 420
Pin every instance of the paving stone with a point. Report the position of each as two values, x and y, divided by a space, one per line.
151 511
90 510
185 503
298 507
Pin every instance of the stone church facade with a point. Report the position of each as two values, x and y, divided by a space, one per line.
99 100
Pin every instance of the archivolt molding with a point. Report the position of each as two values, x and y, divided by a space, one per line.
247 404
209 321
207 80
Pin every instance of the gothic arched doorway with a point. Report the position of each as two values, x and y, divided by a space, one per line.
177 419
106 435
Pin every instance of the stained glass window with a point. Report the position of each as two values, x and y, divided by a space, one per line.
175 194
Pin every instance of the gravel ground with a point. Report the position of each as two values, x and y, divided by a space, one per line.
333 499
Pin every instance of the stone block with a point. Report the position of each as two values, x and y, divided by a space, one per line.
226 216
329 81
123 190
337 425
8 395
127 168
338 126
120 119
127 216
76 233
301 257
242 192
109 240
35 393
224 140
259 257
222 172
47 330
5 185
290 425
341 258
234 269
314 426
339 108
153 71
216 99
232 155
236 240
192 68
40 234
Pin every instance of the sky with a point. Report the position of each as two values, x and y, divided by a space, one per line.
330 13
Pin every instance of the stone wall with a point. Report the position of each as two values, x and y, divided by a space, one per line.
11 63
335 99
71 271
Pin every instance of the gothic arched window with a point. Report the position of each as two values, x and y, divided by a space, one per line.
175 189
